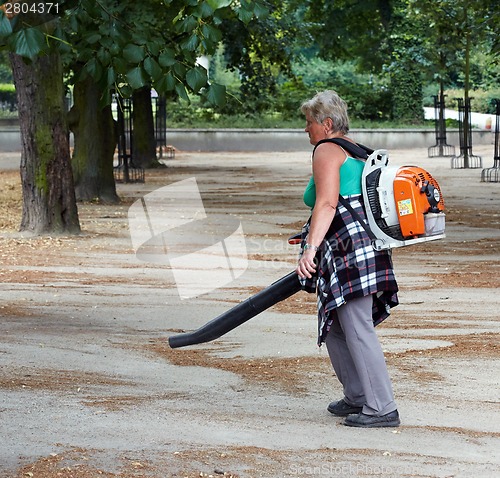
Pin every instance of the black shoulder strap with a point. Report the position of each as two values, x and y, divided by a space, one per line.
358 218
356 149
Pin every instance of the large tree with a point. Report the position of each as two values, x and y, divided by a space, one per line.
123 46
47 184
49 204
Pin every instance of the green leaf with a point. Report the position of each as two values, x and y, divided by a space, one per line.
93 68
28 42
93 38
104 56
111 76
153 48
121 66
215 4
181 91
161 85
136 78
245 15
197 78
260 10
115 49
205 10
190 43
125 90
211 33
216 94
152 68
133 53
170 81
167 57
180 70
187 25
5 26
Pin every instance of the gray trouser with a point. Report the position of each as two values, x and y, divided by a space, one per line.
358 359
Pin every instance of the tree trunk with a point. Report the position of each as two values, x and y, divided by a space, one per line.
466 125
49 204
95 143
144 148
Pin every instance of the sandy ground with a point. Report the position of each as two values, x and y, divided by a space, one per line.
89 386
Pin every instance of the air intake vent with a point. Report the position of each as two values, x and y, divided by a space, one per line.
372 183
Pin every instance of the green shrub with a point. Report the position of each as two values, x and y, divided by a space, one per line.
8 99
481 100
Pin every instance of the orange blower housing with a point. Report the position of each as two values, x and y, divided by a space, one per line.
416 194
404 205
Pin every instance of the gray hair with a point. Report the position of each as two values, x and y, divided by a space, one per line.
328 104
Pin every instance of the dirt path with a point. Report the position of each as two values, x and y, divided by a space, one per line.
90 388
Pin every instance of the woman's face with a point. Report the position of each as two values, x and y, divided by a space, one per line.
315 130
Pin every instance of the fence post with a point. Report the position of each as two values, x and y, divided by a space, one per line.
492 175
466 159
126 171
441 148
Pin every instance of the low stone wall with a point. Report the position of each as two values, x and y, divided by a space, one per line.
274 139
10 137
297 140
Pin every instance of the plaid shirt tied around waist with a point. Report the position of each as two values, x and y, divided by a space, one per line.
349 267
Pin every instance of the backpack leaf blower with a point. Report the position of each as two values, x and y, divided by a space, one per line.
404 206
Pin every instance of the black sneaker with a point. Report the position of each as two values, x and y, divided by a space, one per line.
370 421
342 409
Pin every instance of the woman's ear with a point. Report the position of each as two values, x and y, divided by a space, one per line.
328 125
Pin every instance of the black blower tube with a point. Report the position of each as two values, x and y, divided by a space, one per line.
272 294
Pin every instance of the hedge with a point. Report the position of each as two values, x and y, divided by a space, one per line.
8 99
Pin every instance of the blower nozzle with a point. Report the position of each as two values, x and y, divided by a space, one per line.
271 295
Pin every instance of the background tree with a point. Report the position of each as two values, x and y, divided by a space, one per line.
380 37
260 55
456 28
129 47
95 140
406 63
144 146
49 204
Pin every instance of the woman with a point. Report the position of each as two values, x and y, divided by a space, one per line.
355 284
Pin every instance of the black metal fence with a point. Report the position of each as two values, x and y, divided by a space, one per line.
441 148
159 104
466 159
492 175
125 170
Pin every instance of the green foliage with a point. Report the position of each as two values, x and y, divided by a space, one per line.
127 45
8 97
481 100
5 70
460 42
260 54
375 54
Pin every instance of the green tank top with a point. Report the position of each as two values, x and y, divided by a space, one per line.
350 181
